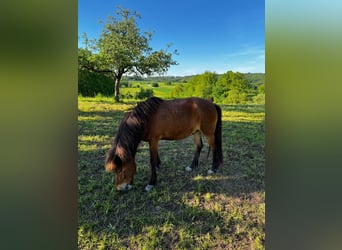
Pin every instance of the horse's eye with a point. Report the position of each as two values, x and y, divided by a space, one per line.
118 170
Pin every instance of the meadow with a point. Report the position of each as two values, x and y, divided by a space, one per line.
185 210
163 90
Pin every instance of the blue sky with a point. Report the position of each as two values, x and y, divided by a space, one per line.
212 35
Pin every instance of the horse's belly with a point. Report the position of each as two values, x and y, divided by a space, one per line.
177 133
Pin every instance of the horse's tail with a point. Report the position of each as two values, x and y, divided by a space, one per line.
217 153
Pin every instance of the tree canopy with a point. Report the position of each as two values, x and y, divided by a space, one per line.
123 49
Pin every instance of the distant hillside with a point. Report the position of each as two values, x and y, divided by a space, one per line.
253 78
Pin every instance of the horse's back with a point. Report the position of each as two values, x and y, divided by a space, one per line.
177 119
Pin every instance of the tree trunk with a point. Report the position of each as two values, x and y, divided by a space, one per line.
117 89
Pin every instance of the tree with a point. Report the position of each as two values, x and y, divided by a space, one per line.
260 97
201 85
123 49
207 82
232 88
144 93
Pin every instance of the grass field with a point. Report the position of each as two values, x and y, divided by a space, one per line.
185 210
163 90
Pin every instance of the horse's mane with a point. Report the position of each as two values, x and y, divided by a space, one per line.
132 127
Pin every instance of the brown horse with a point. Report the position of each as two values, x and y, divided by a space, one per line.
156 119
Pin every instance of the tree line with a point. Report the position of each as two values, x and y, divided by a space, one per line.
230 88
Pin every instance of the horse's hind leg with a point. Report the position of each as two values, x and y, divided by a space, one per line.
158 161
199 146
211 142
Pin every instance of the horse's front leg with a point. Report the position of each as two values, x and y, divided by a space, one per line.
155 162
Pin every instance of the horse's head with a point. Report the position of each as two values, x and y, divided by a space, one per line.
124 171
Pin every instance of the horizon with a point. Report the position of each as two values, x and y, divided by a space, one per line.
152 76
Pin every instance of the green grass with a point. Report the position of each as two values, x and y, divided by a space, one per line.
185 210
163 90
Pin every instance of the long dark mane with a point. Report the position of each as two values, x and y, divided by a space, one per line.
132 128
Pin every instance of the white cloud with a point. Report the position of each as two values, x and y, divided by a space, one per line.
247 59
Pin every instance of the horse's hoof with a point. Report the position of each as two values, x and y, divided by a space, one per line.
188 168
210 171
148 188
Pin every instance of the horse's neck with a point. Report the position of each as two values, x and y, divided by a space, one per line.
131 148
135 148
131 133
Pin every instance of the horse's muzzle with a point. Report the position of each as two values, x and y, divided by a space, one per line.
123 187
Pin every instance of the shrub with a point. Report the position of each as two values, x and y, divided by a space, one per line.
259 98
144 93
236 97
124 84
91 84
